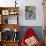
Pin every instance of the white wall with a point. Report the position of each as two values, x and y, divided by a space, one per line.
39 13
22 3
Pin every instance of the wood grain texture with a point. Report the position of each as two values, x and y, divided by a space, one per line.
10 43
44 6
11 26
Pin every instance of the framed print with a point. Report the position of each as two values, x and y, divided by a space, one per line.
30 12
12 20
5 12
5 19
13 12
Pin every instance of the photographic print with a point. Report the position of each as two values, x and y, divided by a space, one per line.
30 12
5 20
5 12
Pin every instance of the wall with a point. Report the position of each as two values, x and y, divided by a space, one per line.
22 3
39 13
36 29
